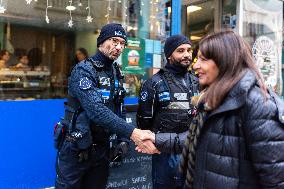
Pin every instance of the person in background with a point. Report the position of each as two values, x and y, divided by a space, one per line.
35 58
81 54
4 58
236 140
164 108
23 62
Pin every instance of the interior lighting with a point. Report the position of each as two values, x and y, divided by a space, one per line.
194 37
169 10
193 8
70 7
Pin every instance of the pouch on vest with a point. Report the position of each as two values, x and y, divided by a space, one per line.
82 128
59 134
164 98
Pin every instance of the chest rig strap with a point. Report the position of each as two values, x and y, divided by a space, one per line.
116 90
119 90
72 111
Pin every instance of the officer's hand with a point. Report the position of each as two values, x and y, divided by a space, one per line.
150 136
139 135
83 155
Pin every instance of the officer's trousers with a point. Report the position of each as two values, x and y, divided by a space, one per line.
89 174
165 173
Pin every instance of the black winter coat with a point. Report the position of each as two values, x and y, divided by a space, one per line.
241 145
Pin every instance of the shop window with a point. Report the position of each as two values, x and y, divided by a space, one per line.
39 42
262 28
199 19
38 62
229 15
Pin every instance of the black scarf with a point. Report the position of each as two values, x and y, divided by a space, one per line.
175 69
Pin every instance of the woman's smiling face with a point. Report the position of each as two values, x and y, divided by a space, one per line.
207 70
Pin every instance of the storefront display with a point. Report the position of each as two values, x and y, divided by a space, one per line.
24 84
48 33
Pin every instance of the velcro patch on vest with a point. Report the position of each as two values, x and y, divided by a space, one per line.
144 96
85 83
164 96
105 94
178 106
116 83
104 81
180 96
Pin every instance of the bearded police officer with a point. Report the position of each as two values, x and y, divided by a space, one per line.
164 108
93 112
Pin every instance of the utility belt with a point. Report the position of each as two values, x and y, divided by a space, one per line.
73 127
71 138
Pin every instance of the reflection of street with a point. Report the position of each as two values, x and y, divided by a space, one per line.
262 21
266 57
132 84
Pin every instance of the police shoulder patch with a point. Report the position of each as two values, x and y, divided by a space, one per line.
85 83
144 96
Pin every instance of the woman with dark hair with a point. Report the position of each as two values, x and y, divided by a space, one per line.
23 62
81 54
236 140
35 58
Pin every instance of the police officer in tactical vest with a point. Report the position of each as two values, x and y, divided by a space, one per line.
164 108
94 111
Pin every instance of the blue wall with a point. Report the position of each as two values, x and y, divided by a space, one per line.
27 157
26 141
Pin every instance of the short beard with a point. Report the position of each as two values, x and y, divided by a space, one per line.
179 64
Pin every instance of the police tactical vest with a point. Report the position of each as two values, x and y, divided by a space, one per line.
174 111
109 84
106 84
110 87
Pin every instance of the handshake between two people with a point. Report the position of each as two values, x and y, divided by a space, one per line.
144 141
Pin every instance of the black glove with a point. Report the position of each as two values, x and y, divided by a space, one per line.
119 152
83 155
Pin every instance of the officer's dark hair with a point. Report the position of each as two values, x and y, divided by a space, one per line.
233 57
